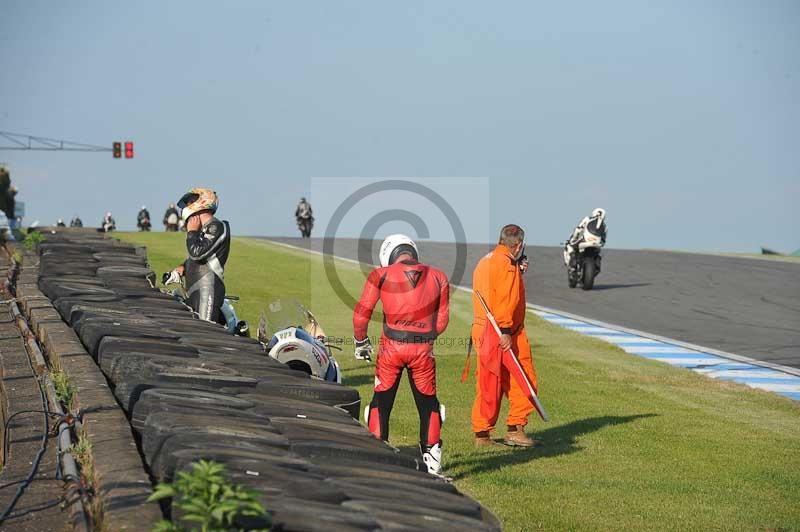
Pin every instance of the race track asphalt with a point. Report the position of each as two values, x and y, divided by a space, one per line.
749 307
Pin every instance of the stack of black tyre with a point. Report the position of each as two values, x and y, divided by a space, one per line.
192 391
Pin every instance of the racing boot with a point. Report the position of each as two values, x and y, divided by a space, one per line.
432 458
516 437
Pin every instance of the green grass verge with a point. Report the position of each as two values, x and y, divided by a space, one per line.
632 444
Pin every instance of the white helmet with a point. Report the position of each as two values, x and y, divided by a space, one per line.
394 246
599 215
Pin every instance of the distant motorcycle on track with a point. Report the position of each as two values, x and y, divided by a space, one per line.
305 225
143 219
304 215
582 250
171 219
583 261
108 224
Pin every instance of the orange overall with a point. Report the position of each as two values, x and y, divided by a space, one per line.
499 280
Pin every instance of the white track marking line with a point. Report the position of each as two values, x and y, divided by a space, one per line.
623 340
586 329
688 363
671 349
733 374
545 312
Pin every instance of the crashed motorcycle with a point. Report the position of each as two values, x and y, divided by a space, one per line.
583 264
291 334
227 315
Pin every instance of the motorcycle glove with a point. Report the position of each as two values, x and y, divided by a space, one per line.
363 349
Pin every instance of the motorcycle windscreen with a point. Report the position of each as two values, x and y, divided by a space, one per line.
284 313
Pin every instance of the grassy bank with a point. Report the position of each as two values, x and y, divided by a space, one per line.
632 444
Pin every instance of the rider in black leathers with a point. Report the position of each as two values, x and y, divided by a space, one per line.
304 215
141 217
208 242
205 268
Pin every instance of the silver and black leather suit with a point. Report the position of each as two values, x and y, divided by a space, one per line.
205 268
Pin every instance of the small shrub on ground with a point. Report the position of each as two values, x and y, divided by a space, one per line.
32 240
206 498
65 390
82 451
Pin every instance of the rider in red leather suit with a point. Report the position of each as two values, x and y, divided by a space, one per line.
415 300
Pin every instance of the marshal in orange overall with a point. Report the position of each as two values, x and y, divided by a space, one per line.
499 278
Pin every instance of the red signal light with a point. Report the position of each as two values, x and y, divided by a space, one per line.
117 148
129 150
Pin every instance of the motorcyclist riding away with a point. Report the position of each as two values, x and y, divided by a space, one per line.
415 300
594 225
76 222
208 242
305 218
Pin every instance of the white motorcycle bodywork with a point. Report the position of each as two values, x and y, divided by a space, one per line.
299 350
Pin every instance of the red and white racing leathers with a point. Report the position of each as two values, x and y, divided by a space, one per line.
415 299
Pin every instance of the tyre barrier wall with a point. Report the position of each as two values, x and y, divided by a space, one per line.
192 391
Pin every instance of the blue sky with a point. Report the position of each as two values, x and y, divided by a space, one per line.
681 118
